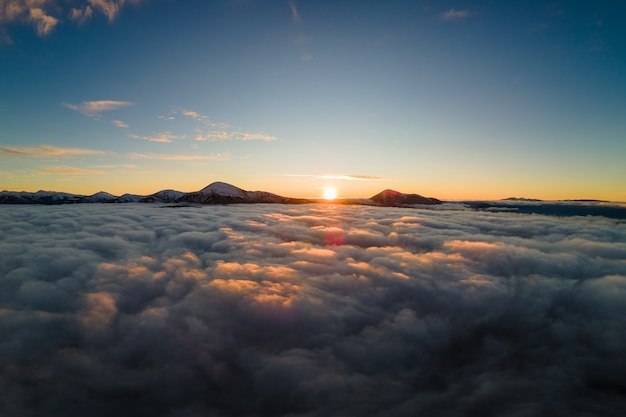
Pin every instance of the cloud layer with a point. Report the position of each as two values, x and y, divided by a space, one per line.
309 310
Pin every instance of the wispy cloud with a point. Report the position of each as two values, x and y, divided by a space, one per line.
164 137
218 131
343 177
353 177
81 15
242 136
94 108
301 40
45 23
67 170
109 8
128 166
454 14
45 15
167 157
45 151
205 120
171 115
120 124
295 15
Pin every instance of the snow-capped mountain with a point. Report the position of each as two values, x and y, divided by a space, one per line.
40 197
223 193
163 196
223 189
129 198
394 198
99 197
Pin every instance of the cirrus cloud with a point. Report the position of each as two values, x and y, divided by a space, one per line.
94 108
217 131
67 170
168 157
164 137
454 14
45 151
120 124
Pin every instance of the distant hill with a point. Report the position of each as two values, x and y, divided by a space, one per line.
397 199
520 199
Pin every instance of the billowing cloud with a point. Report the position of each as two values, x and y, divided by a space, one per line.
94 108
45 151
164 137
453 14
168 157
67 170
252 310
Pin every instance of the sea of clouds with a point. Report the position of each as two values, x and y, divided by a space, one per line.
309 310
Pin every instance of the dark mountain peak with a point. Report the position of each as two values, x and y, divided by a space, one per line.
397 199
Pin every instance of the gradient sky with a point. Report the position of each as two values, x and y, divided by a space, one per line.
454 100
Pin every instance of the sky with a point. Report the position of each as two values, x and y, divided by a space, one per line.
309 310
452 100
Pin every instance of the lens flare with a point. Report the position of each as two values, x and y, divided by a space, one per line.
330 193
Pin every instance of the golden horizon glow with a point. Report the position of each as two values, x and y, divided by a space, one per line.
330 193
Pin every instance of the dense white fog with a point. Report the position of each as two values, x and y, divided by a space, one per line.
312 310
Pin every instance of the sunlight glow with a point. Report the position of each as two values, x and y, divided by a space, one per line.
330 193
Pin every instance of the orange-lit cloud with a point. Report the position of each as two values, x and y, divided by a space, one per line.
47 14
45 151
120 124
242 136
81 14
167 157
205 120
341 177
45 23
99 312
94 108
218 131
164 137
66 170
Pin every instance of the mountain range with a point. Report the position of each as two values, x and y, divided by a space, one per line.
215 193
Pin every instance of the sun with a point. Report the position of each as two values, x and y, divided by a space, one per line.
330 193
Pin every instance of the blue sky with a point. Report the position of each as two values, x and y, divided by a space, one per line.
470 99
